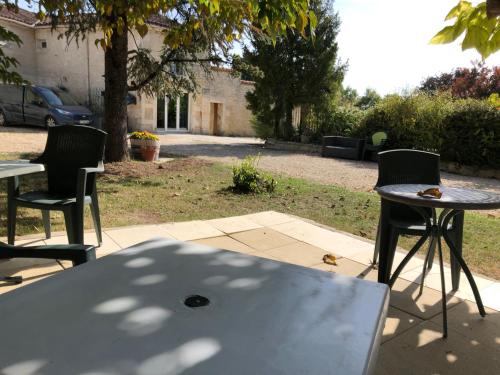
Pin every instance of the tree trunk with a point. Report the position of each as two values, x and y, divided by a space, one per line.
115 97
288 126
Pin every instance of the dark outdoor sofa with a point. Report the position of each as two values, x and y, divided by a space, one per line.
343 147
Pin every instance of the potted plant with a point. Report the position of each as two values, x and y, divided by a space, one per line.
145 145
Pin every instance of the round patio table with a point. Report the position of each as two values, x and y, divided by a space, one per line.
452 202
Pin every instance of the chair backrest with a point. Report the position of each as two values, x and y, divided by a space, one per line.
408 167
379 138
68 149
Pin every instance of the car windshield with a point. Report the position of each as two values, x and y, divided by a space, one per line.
56 97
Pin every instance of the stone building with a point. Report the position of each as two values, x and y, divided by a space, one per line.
218 108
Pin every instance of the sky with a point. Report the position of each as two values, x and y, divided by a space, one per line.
386 43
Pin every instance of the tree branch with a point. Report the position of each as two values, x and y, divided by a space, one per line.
163 63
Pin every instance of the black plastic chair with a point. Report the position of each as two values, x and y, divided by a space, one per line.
412 167
72 157
77 254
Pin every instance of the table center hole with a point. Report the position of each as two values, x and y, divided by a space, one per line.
196 300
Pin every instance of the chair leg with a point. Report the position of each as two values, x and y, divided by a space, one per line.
376 251
385 257
46 223
94 209
11 222
393 244
12 192
458 232
71 225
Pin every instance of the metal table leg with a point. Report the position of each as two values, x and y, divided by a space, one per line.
437 228
460 260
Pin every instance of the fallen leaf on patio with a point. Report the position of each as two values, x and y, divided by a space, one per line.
330 259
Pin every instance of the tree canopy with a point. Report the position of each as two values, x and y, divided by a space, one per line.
481 28
297 70
194 32
8 64
479 82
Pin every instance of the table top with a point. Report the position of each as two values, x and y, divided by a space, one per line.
11 168
453 198
125 314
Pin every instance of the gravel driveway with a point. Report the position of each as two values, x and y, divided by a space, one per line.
354 175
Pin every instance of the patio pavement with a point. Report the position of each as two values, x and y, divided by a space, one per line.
412 341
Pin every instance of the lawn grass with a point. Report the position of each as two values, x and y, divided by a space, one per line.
189 189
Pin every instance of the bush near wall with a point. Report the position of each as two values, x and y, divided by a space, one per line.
466 131
471 134
333 120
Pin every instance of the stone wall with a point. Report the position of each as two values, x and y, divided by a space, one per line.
25 54
46 60
228 94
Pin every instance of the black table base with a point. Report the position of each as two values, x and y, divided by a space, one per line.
437 228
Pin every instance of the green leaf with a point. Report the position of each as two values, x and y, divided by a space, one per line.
446 35
476 37
458 9
313 20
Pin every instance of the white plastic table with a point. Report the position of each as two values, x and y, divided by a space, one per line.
11 169
126 314
14 168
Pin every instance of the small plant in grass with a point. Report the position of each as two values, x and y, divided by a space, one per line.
248 179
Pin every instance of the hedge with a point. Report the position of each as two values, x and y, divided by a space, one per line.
463 131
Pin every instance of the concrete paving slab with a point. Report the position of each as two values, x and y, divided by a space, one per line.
128 236
491 296
421 350
31 270
298 253
433 280
226 243
269 218
349 268
465 320
263 239
405 296
397 322
191 230
234 224
334 242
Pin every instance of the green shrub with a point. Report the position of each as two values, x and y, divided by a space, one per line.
466 131
248 179
262 129
471 134
334 120
412 121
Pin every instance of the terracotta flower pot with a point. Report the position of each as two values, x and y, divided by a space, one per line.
145 149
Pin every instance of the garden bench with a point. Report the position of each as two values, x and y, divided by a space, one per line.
342 147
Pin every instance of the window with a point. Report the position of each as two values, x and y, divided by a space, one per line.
172 112
30 97
41 44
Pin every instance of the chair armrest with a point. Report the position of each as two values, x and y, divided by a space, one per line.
39 160
81 181
98 169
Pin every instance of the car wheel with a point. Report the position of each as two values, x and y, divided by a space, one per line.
3 120
50 122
